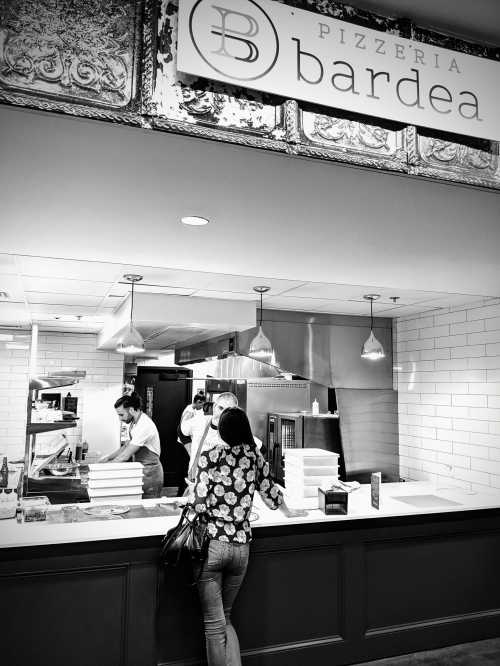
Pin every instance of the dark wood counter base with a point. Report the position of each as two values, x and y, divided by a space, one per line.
338 593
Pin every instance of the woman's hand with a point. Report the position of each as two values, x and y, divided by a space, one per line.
292 513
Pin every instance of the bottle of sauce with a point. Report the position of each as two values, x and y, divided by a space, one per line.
78 452
19 509
85 448
4 474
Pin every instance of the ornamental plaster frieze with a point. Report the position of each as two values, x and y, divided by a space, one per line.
115 60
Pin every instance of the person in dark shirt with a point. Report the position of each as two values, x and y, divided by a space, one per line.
226 479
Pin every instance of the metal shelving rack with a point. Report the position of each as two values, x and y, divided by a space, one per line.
33 429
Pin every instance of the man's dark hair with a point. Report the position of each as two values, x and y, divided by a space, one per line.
133 400
199 397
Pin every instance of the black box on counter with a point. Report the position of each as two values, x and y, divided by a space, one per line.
333 501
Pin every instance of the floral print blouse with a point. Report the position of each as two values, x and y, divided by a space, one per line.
226 479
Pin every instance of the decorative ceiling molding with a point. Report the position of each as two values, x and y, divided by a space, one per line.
120 67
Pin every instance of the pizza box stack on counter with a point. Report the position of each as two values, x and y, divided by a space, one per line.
115 482
306 470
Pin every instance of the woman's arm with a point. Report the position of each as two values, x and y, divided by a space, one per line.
268 490
271 493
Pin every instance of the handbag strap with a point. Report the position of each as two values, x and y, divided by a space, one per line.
192 469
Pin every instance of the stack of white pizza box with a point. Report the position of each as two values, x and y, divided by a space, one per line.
115 482
306 470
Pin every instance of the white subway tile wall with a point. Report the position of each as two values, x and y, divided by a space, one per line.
447 372
55 350
14 365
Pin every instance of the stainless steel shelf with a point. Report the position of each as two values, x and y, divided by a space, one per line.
35 428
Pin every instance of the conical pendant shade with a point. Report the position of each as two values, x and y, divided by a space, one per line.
261 348
131 343
372 349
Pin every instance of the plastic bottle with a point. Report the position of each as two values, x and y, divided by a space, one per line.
19 509
78 451
4 474
315 407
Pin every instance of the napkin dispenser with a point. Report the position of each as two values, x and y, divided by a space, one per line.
332 501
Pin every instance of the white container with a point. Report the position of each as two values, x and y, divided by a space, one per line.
8 506
102 467
118 499
312 456
124 482
305 471
118 474
108 492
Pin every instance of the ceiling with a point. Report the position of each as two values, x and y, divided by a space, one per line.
72 295
94 191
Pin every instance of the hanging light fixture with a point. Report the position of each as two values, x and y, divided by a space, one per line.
261 348
372 349
132 341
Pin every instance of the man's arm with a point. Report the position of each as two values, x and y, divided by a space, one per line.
126 452
123 454
109 456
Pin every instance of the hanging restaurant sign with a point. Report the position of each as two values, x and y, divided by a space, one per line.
275 48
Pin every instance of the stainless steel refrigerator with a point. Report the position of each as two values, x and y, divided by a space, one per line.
258 397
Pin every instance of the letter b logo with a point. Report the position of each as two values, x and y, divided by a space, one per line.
235 38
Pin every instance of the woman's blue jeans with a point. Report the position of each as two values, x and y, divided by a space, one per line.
221 576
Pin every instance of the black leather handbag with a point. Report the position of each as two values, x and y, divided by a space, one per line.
188 538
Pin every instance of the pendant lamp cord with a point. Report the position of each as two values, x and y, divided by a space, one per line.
260 322
132 306
371 314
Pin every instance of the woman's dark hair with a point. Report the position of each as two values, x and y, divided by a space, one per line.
199 397
133 400
234 427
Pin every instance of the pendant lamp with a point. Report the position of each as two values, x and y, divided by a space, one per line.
372 349
132 341
261 348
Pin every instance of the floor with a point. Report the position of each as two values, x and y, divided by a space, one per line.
479 653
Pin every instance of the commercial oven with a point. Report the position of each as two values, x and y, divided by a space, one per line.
294 430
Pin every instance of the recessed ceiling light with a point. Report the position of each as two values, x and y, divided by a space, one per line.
194 220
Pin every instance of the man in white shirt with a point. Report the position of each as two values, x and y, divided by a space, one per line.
143 445
196 426
193 410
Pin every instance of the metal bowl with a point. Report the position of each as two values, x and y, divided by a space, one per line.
62 468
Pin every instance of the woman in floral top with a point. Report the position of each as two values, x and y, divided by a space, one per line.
226 479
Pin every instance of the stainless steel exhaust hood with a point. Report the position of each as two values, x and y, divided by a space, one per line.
219 357
322 348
